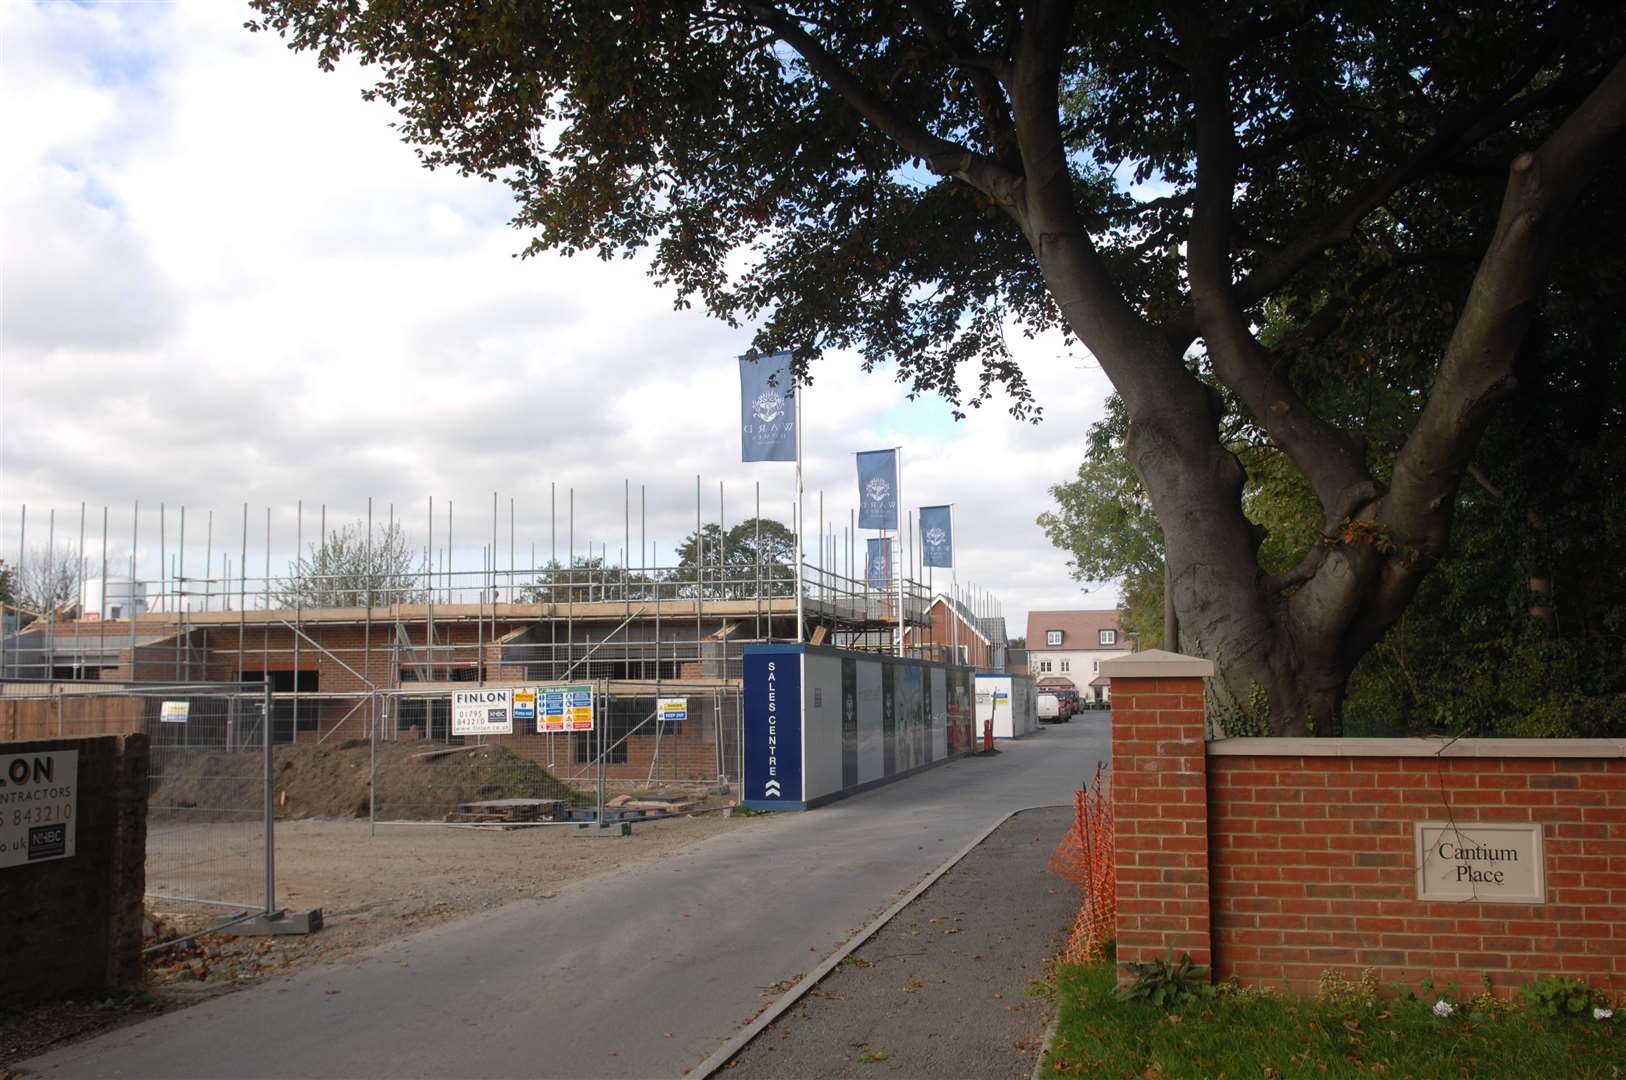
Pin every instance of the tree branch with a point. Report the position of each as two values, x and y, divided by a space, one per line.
1339 222
1331 460
942 156
1477 371
986 73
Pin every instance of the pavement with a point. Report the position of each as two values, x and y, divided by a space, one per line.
945 988
643 973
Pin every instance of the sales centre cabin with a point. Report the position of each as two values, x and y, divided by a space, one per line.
637 642
824 723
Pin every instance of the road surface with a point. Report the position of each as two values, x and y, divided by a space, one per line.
638 974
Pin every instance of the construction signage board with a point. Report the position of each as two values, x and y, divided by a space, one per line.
39 793
672 710
174 712
564 708
482 712
525 705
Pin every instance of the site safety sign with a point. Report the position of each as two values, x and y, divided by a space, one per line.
525 705
672 710
564 708
174 712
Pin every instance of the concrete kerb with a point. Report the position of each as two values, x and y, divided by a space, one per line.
1049 1037
743 1037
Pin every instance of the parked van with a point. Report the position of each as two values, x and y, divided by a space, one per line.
1049 709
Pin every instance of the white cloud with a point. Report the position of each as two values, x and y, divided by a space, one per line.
227 281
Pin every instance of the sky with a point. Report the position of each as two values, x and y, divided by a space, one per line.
225 281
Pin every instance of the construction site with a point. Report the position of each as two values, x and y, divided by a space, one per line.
372 647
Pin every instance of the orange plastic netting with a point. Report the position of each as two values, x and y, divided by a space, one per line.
1085 857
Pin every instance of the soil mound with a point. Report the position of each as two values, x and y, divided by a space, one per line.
415 782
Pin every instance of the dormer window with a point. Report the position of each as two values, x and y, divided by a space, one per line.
1052 638
1109 637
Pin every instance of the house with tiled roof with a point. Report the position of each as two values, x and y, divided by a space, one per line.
1066 648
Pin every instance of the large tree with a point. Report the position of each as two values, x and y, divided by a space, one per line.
909 177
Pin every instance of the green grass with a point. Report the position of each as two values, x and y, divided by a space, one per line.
1262 1035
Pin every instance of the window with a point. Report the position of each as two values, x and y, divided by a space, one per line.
1095 667
1052 638
1109 637
1044 665
1066 666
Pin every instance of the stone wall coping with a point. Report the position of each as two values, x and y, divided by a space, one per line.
1429 746
1157 664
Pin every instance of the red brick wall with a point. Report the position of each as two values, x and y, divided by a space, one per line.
1314 866
1158 793
941 633
1276 867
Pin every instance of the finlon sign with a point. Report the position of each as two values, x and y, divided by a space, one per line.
482 712
39 795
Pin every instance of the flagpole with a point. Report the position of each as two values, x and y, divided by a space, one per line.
800 632
898 457
954 579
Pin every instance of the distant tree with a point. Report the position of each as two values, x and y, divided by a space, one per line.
346 569
589 578
730 561
45 579
5 583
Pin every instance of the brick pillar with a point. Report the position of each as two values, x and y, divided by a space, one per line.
1160 799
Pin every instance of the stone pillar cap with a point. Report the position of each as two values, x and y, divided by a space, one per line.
1157 664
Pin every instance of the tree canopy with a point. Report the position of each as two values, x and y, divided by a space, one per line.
1227 205
350 568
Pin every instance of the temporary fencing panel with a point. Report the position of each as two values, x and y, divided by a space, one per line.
209 811
427 766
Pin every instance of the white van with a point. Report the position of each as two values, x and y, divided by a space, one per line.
1049 708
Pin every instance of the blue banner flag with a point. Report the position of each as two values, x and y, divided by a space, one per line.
878 489
936 536
878 563
767 409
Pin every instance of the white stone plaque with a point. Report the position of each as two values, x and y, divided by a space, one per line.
1470 860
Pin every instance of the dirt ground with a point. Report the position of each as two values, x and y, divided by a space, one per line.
372 891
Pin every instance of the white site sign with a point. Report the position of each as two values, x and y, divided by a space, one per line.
38 799
482 712
672 710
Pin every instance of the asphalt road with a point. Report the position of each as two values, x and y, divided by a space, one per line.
639 974
944 988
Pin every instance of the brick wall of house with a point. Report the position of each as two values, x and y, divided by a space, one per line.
941 631
1278 859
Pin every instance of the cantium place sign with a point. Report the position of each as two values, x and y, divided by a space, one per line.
1496 863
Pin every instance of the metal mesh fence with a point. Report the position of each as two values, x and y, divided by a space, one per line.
209 845
422 772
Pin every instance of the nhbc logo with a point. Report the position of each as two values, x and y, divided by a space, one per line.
771 789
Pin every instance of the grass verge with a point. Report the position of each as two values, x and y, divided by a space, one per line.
1259 1034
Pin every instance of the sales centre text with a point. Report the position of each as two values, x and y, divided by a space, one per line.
1466 871
773 721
